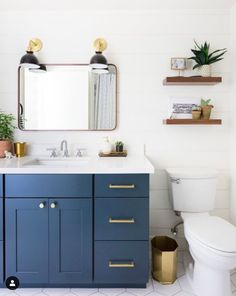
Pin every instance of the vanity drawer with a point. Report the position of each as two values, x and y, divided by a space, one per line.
121 218
1 219
47 185
122 185
1 185
121 262
1 262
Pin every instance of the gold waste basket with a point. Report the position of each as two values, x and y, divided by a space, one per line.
164 259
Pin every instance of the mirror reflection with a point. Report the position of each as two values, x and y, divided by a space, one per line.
67 97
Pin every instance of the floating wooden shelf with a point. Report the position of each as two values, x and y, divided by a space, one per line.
191 121
193 80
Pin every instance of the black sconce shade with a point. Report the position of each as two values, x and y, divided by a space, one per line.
29 60
98 61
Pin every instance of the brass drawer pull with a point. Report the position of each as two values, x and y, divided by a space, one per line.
131 186
129 221
122 265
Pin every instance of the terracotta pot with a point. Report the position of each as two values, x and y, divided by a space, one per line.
5 145
206 111
196 114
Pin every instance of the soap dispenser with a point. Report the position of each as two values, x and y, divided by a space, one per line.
106 146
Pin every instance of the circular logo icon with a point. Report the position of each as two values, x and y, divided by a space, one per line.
12 283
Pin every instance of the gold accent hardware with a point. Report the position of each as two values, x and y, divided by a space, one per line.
19 148
129 221
42 205
122 265
131 186
35 45
100 44
164 259
53 205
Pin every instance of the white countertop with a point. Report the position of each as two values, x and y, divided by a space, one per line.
90 165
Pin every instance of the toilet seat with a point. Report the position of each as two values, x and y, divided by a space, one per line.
213 232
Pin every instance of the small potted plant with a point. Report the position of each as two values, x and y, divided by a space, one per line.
6 132
196 112
204 58
206 108
119 146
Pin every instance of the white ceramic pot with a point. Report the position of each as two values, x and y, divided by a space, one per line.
205 71
106 146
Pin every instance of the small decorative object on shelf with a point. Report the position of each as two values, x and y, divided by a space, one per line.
20 149
119 146
204 58
114 154
6 133
196 112
181 108
106 146
178 64
206 109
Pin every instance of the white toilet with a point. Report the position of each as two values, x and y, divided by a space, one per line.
212 240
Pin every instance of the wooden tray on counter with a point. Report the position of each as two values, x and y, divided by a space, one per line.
114 154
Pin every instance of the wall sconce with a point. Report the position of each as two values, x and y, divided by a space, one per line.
29 60
98 62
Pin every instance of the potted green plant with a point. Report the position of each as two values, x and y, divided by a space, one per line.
204 58
6 132
196 112
119 146
206 108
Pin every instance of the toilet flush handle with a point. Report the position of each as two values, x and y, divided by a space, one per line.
175 180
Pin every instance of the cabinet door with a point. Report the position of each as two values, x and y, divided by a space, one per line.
27 240
70 241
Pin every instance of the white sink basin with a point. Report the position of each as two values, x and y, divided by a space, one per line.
55 162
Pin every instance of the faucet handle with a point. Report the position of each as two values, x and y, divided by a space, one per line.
53 152
65 153
80 152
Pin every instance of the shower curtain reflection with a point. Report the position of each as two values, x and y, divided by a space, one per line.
102 103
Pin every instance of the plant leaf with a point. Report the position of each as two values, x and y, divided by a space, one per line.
197 44
196 66
218 50
212 62
216 57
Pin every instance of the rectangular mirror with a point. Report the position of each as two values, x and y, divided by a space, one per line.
67 97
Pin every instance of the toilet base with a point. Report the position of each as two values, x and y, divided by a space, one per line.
206 281
209 281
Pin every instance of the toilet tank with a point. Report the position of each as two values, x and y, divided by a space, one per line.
192 190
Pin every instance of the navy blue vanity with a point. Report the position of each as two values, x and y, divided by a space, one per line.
75 230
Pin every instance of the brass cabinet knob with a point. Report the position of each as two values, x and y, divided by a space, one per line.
53 205
42 205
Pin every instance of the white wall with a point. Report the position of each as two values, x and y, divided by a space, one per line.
233 119
140 44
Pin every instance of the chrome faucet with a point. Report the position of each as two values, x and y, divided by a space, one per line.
64 150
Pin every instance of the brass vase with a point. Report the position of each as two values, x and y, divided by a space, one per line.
20 148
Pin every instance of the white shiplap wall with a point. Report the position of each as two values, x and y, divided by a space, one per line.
140 43
233 120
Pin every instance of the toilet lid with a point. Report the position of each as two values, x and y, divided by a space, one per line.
213 232
192 173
